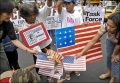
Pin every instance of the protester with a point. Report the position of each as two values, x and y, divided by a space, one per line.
69 17
32 16
112 29
24 75
10 49
6 28
80 8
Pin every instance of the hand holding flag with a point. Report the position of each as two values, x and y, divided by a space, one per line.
78 55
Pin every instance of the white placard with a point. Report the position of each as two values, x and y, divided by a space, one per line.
94 13
17 20
35 35
53 22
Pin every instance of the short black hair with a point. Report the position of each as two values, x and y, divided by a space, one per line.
6 6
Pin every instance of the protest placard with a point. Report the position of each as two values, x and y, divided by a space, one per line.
34 35
17 20
53 22
94 13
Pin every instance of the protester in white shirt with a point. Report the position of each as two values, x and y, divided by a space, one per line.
69 17
80 8
88 6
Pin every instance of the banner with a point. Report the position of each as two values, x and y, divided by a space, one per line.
53 22
94 13
34 35
71 42
17 20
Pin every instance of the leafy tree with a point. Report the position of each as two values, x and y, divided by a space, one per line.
15 2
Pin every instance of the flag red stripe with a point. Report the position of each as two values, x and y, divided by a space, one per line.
89 24
92 51
87 29
94 60
75 51
83 39
93 55
83 35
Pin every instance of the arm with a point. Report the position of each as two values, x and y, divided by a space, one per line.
117 50
31 67
49 3
89 45
84 12
115 56
45 11
21 46
59 6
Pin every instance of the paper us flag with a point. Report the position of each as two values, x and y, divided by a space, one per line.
44 62
72 40
78 65
50 72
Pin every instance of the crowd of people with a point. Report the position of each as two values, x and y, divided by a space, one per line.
34 13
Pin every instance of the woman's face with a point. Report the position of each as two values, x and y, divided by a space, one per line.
111 26
5 16
31 18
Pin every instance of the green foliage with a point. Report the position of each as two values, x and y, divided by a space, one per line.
15 2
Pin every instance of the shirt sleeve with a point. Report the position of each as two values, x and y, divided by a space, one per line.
10 31
102 30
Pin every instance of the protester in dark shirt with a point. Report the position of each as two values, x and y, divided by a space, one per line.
6 28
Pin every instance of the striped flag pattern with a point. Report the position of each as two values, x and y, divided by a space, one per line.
43 62
82 36
50 72
78 65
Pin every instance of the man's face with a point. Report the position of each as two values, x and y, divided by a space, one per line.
69 6
5 16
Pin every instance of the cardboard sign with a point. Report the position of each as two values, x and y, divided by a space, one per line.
83 35
94 13
34 35
53 22
17 20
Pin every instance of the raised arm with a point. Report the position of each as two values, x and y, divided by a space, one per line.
59 6
49 3
31 67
